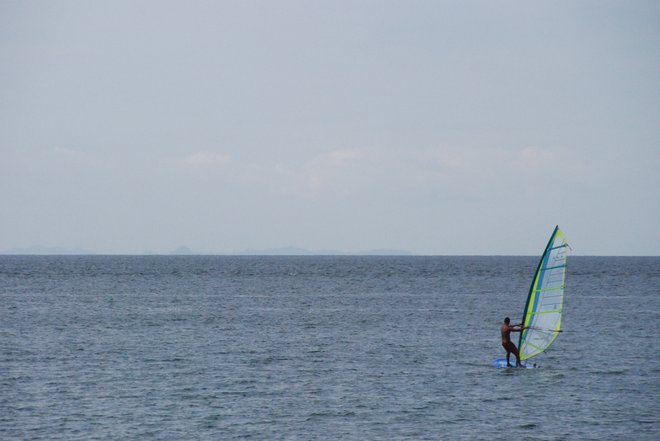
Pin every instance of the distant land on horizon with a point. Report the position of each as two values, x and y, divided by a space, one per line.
39 250
43 250
290 251
186 251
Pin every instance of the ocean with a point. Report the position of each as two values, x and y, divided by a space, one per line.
320 348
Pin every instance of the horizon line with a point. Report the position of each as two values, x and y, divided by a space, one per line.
338 254
40 250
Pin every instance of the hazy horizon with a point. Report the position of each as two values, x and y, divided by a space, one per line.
284 251
437 128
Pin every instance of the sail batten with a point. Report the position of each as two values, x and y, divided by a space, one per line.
559 288
554 267
543 310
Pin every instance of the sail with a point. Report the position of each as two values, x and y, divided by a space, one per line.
546 298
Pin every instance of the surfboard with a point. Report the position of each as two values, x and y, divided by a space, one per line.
501 363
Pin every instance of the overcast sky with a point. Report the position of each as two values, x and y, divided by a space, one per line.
437 127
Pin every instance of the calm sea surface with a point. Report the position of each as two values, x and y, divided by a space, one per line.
305 348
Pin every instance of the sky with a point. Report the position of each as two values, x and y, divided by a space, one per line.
435 127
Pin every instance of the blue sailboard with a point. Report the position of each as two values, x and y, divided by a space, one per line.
501 363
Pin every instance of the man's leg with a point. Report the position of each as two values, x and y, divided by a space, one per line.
517 354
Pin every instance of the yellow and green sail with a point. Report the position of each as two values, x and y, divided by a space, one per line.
545 302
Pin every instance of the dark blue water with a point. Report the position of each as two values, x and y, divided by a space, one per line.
310 348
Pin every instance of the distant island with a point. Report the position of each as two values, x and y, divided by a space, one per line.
187 251
294 251
42 250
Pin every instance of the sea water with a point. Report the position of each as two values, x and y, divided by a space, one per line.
306 348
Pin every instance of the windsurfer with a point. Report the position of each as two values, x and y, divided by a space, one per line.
508 345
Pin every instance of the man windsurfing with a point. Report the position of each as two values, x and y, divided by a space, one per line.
508 345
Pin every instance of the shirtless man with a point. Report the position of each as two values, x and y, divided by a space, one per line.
508 345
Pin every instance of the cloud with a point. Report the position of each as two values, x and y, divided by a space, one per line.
391 174
56 159
205 158
324 170
343 156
